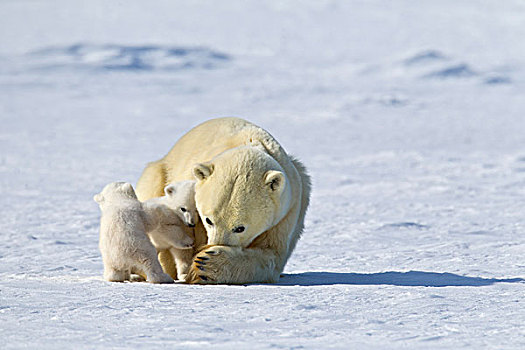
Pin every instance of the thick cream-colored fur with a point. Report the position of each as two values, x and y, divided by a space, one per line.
123 242
174 235
252 192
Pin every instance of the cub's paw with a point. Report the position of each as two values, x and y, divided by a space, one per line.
207 265
160 278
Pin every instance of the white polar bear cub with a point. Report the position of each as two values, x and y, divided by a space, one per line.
179 197
123 242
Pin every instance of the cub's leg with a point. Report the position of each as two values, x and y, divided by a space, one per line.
183 260
167 263
146 261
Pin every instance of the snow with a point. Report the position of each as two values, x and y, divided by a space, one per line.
408 116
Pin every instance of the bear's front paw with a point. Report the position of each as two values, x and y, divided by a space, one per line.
207 265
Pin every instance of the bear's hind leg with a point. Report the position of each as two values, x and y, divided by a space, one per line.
152 181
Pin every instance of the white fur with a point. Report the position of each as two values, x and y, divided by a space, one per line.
124 245
251 195
175 234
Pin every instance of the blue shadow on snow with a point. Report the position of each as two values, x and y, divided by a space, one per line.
110 57
392 278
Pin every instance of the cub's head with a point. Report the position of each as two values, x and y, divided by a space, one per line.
115 191
180 197
240 194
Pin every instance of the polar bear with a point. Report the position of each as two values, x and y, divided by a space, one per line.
123 242
251 196
175 236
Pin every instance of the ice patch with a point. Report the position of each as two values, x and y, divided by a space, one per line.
126 58
497 80
461 70
474 233
406 224
42 277
423 57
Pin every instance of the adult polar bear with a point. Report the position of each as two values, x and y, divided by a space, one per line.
252 198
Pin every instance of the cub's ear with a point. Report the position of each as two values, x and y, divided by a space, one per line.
202 171
127 187
99 198
170 190
275 180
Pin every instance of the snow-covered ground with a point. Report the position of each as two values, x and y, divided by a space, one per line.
410 116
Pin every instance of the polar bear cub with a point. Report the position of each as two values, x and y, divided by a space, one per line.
124 245
179 197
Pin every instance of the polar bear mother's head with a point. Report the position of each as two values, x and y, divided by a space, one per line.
240 194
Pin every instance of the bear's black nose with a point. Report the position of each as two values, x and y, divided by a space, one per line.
191 225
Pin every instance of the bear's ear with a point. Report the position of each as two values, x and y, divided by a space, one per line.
275 180
170 190
202 171
99 198
127 187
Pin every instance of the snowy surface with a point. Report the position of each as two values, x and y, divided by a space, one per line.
409 115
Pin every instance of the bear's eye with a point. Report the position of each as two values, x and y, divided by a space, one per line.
183 210
208 221
238 229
